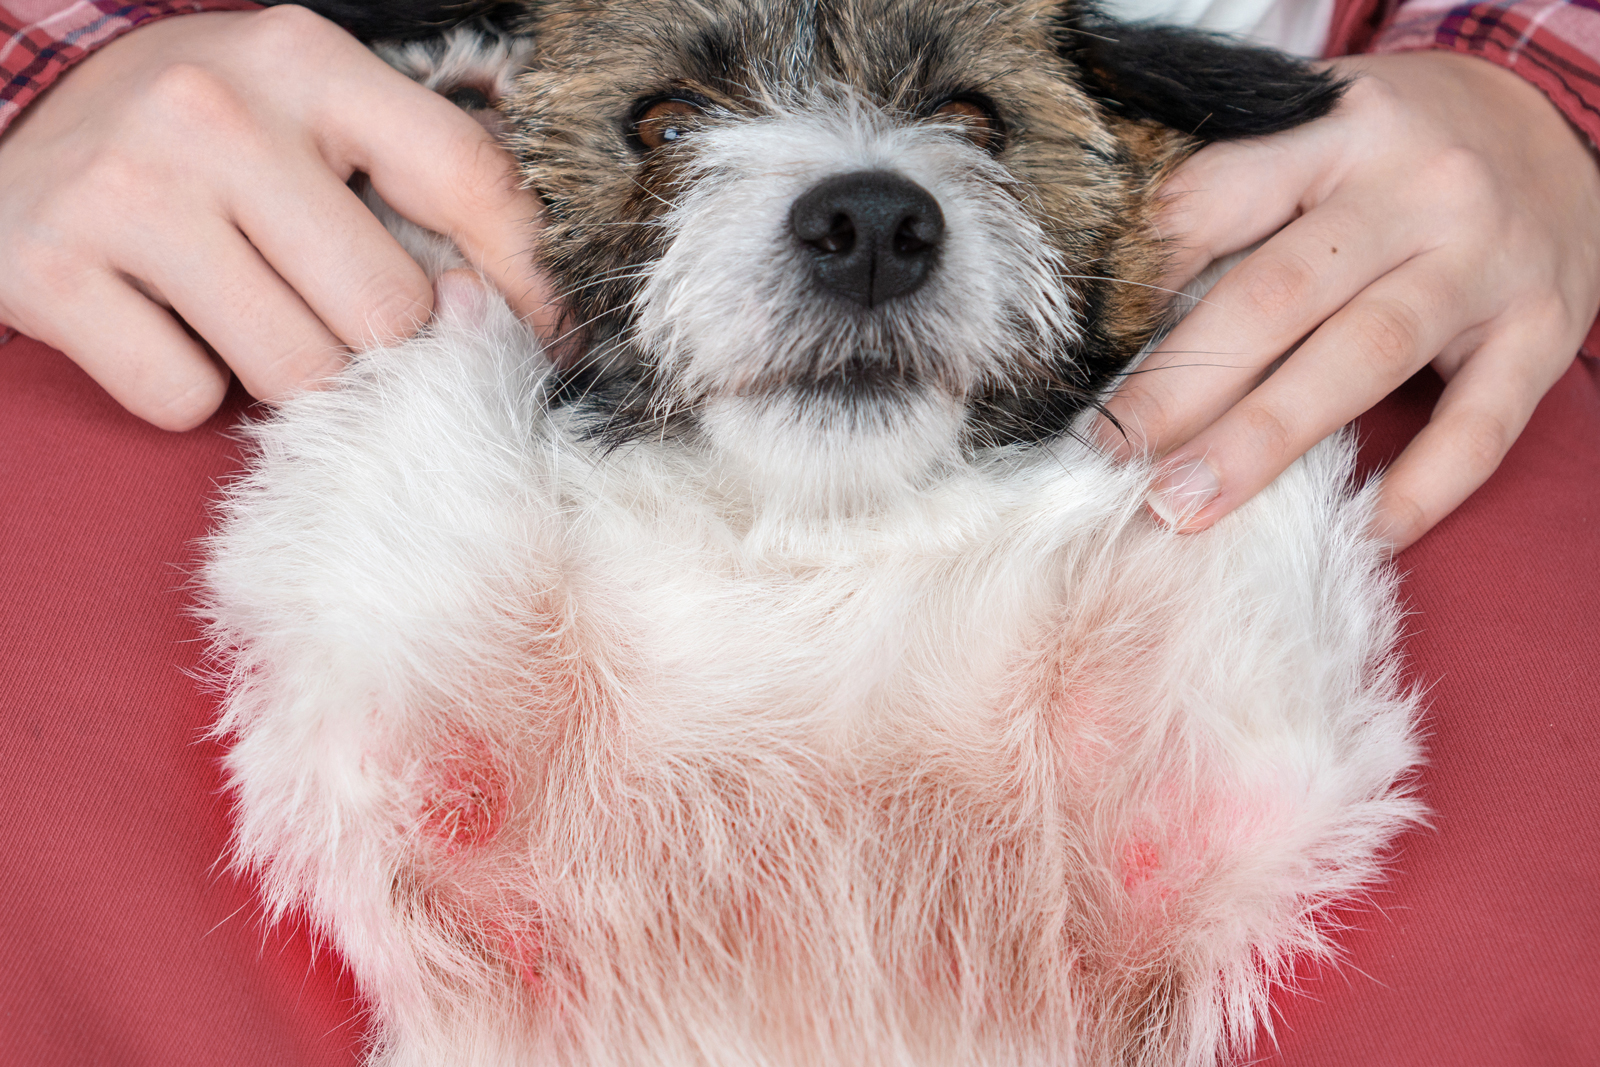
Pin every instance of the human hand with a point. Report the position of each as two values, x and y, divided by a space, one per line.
200 165
1446 212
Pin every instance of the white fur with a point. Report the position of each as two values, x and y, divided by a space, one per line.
679 753
765 773
462 55
728 312
733 282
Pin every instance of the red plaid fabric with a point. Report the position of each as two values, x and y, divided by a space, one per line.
41 38
1555 44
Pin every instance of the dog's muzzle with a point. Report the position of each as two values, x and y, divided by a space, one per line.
873 234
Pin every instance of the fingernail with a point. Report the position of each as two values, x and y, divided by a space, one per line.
1182 492
460 294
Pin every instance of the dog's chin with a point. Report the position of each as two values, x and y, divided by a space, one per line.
832 447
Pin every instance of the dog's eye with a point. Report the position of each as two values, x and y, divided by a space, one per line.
663 122
979 119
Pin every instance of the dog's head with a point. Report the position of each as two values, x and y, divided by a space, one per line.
833 237
786 225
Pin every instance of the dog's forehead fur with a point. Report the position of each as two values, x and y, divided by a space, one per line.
1086 175
897 53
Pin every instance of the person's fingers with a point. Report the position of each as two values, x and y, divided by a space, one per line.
1357 357
1257 312
498 241
245 311
1478 417
1229 196
429 160
437 166
135 350
482 207
321 239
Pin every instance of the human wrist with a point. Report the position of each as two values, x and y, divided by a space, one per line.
1542 43
43 47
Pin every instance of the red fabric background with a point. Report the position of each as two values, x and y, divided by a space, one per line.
125 944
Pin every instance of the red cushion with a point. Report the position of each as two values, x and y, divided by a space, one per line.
125 941
127 944
1484 948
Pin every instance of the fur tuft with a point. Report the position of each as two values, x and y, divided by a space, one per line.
1208 86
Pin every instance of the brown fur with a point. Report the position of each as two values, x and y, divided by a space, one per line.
1087 175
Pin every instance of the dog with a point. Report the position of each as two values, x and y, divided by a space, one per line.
782 678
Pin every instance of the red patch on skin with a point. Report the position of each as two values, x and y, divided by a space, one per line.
522 944
1140 862
466 802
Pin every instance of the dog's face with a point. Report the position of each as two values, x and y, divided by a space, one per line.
797 228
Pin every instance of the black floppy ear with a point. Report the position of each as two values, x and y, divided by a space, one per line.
373 20
1202 84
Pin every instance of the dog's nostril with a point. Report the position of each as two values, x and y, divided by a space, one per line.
874 235
906 241
840 236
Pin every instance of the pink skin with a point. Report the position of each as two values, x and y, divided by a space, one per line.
466 804
467 799
1141 862
523 946
1446 213
192 173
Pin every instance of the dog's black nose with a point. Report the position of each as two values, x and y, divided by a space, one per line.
874 234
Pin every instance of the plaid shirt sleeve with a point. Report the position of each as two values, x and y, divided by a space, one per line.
1555 44
39 39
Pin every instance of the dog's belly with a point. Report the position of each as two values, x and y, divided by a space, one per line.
860 876
578 767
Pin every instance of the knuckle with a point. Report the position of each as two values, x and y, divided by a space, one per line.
123 176
1279 287
487 185
1557 311
186 89
1463 177
1401 519
1145 416
50 272
286 33
191 405
1270 431
1555 305
1483 440
195 103
1377 99
1388 334
394 307
291 370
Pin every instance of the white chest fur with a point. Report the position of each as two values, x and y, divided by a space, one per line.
596 758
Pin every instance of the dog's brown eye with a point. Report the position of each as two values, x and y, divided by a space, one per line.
981 125
663 123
